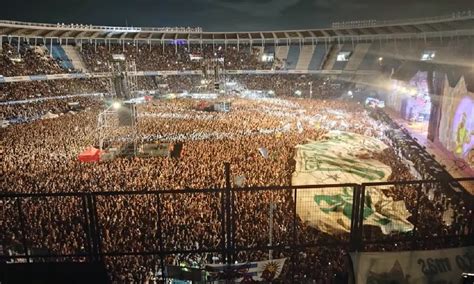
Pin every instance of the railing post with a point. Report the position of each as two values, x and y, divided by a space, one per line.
87 227
233 225
360 227
356 208
295 237
223 225
414 244
94 225
229 244
357 218
23 229
470 229
160 236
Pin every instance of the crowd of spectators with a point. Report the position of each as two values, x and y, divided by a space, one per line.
41 157
27 60
293 85
26 112
314 86
26 101
45 89
98 58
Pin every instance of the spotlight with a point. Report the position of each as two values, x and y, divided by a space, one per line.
380 58
116 105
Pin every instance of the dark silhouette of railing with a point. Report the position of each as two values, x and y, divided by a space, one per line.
158 243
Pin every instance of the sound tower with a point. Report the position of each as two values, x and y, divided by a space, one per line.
126 114
120 87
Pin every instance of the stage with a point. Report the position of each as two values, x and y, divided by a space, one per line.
456 167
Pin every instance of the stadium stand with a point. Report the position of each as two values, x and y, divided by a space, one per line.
341 65
140 217
75 58
372 58
19 59
59 54
317 57
281 55
358 56
293 56
331 57
305 57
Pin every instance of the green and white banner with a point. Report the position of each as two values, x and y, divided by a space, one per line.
344 157
431 266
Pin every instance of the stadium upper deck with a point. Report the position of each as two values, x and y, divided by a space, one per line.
460 24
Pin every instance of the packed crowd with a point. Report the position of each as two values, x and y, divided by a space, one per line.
320 87
41 157
39 98
98 58
26 112
27 60
52 88
314 86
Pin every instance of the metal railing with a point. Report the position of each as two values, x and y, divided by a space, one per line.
104 28
346 24
373 23
231 224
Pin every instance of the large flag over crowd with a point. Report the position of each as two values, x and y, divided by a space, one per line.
344 157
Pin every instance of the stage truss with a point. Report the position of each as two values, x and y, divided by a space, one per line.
112 133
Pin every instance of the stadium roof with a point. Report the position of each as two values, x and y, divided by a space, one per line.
453 25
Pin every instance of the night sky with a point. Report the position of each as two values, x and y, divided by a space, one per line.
224 15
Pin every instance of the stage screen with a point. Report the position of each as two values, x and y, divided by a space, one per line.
457 122
463 130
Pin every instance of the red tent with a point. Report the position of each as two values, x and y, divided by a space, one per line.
91 154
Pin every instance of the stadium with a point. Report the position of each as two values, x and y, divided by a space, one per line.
177 155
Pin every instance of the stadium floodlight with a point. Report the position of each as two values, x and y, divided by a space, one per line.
343 56
267 57
118 57
116 105
428 55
